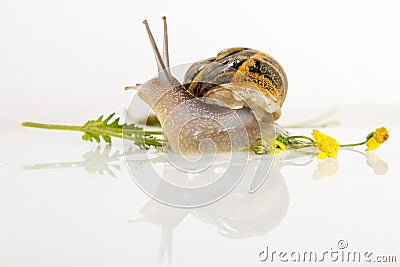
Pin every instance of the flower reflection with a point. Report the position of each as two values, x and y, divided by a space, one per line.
379 166
326 167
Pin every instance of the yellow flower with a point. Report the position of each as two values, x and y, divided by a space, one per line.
377 138
277 146
329 146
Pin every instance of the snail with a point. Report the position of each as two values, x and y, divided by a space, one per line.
225 103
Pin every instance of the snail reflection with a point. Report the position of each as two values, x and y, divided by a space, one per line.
238 215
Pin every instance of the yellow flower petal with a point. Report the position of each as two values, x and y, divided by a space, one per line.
372 144
328 146
277 146
379 137
281 145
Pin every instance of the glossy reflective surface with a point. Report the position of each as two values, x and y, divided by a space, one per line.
65 202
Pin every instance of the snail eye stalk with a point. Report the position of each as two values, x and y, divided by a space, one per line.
165 47
157 55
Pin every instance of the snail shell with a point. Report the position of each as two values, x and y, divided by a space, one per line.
240 77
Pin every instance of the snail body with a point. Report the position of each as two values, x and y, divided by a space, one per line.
191 123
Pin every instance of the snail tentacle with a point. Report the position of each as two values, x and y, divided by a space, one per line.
160 62
165 46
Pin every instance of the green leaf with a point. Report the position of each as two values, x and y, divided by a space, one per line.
94 129
262 148
87 137
282 139
369 136
104 128
107 139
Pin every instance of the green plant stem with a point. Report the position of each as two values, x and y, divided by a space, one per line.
301 146
85 128
313 142
53 126
300 137
356 144
119 133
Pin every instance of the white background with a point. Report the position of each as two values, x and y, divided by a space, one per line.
67 61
